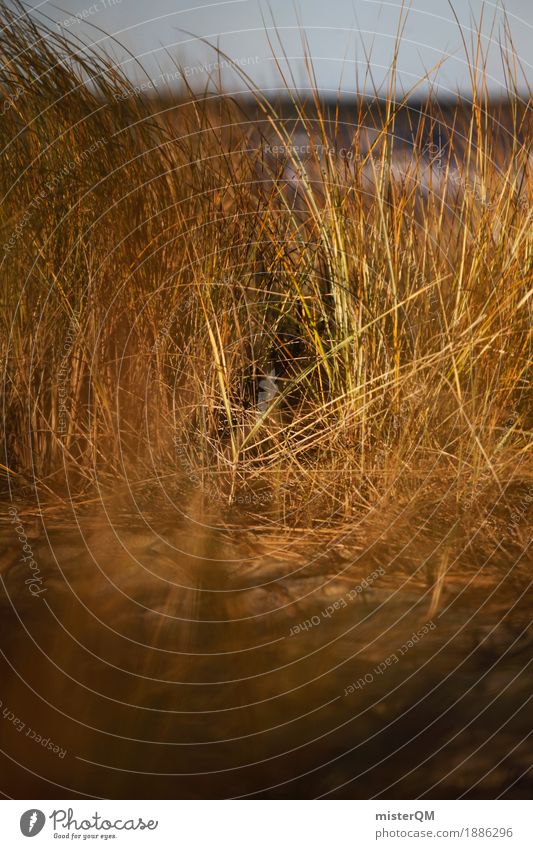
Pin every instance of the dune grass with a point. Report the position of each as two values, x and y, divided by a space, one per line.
163 265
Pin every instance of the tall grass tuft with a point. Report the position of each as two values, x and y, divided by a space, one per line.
319 299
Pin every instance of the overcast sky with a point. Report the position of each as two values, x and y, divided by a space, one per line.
340 34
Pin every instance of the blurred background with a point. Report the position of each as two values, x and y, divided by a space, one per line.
343 37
